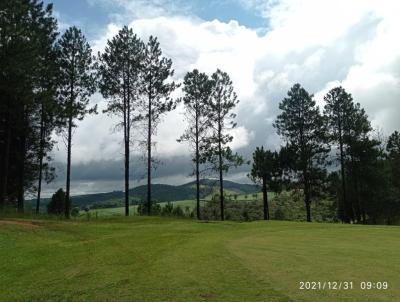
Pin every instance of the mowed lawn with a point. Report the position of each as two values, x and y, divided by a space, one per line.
162 259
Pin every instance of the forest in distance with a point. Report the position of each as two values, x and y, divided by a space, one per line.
328 153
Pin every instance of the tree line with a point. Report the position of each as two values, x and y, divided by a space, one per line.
46 82
334 154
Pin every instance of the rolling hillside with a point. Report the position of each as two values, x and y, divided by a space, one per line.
160 192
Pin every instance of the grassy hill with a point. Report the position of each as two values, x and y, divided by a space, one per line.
160 193
158 259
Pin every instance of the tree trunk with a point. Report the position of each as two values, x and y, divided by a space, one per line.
67 191
352 206
221 190
307 199
149 160
265 199
127 178
39 184
343 174
221 180
6 160
308 207
127 141
358 207
364 218
198 190
41 151
197 168
20 194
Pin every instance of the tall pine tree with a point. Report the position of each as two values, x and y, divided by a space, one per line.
27 33
120 71
77 82
197 90
302 127
393 149
361 155
220 108
338 110
266 171
156 89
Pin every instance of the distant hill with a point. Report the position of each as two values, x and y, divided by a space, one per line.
160 193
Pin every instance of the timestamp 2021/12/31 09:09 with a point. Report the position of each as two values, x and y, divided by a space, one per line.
343 285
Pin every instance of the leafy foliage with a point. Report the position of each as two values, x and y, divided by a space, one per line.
266 171
57 203
27 34
302 126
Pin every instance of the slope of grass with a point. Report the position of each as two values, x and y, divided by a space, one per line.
161 259
120 211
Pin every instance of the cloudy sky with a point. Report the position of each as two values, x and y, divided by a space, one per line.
265 45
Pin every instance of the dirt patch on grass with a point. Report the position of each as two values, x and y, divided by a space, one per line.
207 296
28 224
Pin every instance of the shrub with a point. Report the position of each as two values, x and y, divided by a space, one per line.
57 203
177 211
279 214
75 212
155 209
167 209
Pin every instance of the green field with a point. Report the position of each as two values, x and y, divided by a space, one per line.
119 211
163 259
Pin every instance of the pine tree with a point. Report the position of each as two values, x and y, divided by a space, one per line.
77 83
302 127
338 110
216 151
267 171
197 89
393 149
120 71
156 89
358 145
49 109
27 33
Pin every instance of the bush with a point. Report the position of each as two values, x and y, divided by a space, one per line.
167 209
155 209
75 212
177 211
279 214
57 203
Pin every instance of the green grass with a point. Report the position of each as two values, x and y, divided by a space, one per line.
120 211
161 259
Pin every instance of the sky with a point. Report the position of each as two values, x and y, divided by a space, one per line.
266 46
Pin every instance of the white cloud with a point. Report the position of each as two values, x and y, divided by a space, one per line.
319 44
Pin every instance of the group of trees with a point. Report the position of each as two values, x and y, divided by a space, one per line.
209 103
28 77
363 167
135 78
46 82
45 85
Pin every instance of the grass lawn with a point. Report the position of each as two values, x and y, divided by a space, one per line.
163 259
120 211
